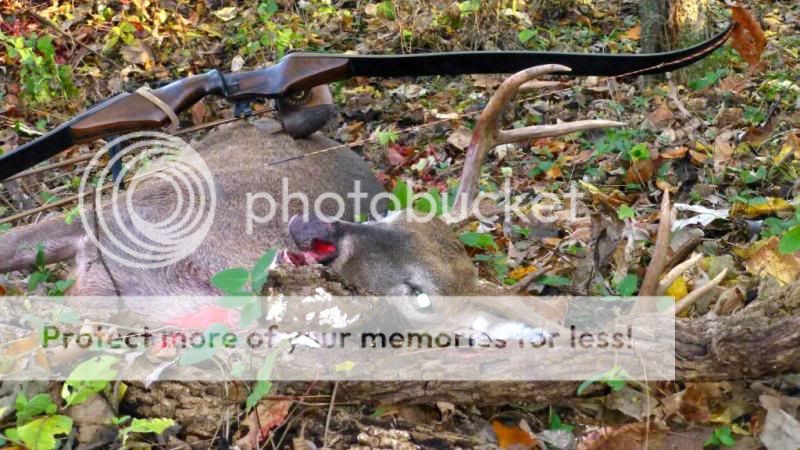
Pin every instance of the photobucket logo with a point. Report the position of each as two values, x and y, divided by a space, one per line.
154 234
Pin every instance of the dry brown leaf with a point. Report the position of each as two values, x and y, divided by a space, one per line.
698 158
748 37
486 81
674 153
398 155
138 53
723 150
513 432
641 171
198 112
627 437
269 414
585 21
460 138
734 83
694 405
764 258
729 117
757 135
660 117
634 33
553 173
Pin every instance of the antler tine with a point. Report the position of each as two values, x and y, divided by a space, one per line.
487 134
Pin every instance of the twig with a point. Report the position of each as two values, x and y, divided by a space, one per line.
41 169
7 203
330 413
692 297
659 260
42 208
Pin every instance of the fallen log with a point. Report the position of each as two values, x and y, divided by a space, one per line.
760 341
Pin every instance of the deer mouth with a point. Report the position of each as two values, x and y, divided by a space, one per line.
317 251
315 239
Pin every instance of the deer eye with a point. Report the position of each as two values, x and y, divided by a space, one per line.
421 299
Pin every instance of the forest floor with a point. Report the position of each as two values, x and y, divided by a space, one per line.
721 136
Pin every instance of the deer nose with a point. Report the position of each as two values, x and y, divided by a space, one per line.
305 231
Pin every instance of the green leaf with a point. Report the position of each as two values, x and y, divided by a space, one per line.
39 404
267 9
790 241
264 385
724 436
708 80
45 45
40 434
261 389
628 286
261 270
88 378
387 137
250 313
403 194
37 278
47 197
60 287
639 152
40 261
553 280
71 214
432 201
625 212
386 10
231 280
616 385
156 426
4 227
615 378
555 423
526 35
478 240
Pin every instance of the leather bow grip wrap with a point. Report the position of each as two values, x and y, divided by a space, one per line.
131 112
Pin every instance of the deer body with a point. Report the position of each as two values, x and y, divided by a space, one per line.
239 157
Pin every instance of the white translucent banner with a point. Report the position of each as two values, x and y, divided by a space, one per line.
337 338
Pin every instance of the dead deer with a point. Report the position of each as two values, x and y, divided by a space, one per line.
390 255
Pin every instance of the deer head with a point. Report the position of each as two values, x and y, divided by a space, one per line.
401 254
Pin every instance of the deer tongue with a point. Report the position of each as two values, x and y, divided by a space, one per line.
319 252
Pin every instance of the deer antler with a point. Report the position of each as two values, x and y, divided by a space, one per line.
487 135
